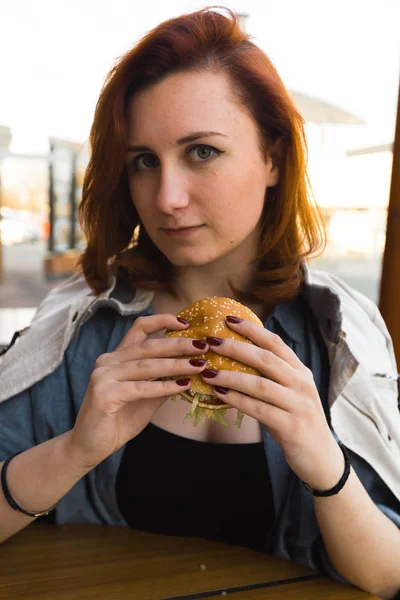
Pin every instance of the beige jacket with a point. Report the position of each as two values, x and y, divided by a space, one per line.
363 392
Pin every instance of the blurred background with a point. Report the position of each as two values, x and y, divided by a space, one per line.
339 59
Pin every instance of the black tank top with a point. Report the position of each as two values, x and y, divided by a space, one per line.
174 485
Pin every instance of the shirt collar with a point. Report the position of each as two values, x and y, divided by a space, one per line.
288 314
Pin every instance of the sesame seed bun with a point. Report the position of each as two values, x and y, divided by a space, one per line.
207 319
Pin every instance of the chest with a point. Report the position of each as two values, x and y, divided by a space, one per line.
171 417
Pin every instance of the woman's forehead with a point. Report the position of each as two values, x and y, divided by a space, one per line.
184 103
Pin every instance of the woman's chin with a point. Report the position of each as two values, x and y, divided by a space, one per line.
189 257
189 261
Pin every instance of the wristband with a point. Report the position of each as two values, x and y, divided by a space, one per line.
10 499
341 482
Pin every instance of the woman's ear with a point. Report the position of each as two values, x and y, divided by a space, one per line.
273 173
273 165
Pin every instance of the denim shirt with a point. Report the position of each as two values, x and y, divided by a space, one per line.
50 407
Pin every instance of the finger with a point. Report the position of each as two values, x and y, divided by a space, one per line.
264 338
265 361
155 368
260 388
159 348
136 390
144 326
271 416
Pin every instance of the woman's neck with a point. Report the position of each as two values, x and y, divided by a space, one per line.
195 284
211 280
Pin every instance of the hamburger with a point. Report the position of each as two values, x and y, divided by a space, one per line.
207 319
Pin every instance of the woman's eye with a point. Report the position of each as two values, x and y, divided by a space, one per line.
201 153
198 153
144 162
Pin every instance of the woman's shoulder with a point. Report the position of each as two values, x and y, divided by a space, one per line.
345 292
39 348
353 316
70 317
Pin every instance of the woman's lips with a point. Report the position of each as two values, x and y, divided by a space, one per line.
182 232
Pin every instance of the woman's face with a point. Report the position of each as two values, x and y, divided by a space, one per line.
196 173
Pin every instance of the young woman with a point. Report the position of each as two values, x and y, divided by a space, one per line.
197 187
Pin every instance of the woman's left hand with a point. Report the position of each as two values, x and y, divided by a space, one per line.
285 399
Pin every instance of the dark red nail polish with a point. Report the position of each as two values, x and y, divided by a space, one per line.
214 341
209 373
197 362
183 321
199 344
221 390
183 382
231 319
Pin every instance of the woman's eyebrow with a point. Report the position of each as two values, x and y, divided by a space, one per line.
195 136
183 140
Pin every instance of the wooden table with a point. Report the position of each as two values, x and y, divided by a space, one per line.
90 562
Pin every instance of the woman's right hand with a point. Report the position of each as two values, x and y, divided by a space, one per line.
122 395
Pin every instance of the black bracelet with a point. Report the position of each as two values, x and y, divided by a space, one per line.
342 481
10 499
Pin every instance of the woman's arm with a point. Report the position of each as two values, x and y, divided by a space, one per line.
362 543
37 479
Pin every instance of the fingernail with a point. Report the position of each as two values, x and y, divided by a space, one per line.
183 382
199 344
231 319
197 362
220 390
209 373
214 341
183 321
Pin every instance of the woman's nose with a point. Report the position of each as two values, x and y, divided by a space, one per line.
172 192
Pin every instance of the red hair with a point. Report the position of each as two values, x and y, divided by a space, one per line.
292 226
